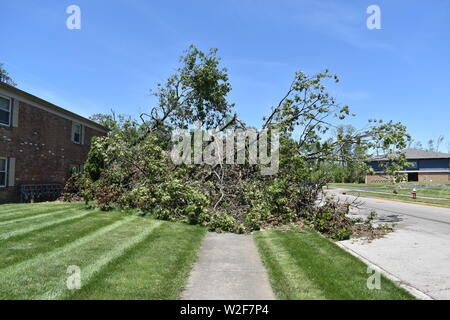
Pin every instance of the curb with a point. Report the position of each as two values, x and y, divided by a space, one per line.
412 290
406 201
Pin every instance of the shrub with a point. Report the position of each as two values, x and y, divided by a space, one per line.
255 218
139 197
95 163
331 219
222 222
342 233
177 201
76 189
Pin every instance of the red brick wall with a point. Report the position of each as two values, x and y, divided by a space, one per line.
43 148
434 177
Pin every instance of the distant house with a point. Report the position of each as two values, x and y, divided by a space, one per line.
40 143
425 166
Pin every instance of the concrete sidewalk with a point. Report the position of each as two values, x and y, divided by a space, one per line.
229 268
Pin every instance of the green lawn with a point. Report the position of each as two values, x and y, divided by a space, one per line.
124 256
308 266
376 185
348 185
443 193
381 190
121 256
403 197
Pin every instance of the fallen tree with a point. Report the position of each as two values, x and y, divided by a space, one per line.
226 186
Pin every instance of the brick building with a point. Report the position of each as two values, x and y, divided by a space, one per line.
40 143
424 166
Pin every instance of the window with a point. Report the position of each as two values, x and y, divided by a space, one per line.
3 172
76 133
5 111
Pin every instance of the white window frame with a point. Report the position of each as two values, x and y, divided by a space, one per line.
10 111
74 125
6 173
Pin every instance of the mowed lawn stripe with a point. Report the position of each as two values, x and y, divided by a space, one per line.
11 230
338 273
155 269
315 259
288 282
28 245
142 230
37 276
26 206
329 256
19 223
335 273
34 217
68 247
21 213
30 207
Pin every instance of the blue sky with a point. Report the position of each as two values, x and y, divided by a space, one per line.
124 48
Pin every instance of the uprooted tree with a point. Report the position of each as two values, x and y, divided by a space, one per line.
132 166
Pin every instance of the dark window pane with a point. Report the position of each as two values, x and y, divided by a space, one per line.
4 104
2 165
2 178
77 133
4 117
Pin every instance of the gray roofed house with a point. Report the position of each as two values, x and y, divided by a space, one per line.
425 166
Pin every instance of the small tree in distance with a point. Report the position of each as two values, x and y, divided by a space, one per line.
5 77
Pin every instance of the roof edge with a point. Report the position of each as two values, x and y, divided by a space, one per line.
412 154
50 105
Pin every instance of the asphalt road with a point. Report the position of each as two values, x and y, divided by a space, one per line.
417 252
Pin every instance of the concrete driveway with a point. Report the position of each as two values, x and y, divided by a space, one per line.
417 252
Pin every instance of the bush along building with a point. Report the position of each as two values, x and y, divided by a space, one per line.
424 167
40 144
